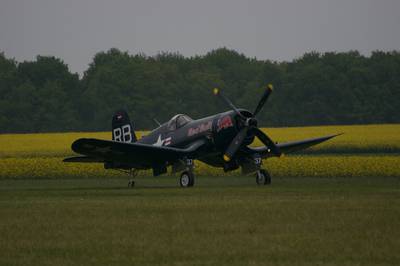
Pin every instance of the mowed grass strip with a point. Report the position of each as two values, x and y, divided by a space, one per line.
356 139
293 166
305 221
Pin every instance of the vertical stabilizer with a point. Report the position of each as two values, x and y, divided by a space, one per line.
122 128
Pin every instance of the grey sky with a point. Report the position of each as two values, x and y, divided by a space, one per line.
75 30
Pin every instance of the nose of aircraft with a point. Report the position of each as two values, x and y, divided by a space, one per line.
248 126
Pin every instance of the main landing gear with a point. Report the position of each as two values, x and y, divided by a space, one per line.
262 175
187 177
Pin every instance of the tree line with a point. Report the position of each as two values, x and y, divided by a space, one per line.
315 89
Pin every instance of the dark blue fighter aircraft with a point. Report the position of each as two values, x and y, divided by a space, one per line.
221 140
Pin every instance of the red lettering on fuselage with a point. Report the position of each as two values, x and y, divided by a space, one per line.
224 123
200 128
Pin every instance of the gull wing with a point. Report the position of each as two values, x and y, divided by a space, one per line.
135 154
289 147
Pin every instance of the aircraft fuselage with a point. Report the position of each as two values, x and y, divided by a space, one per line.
219 129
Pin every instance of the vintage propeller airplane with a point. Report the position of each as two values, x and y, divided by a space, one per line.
220 140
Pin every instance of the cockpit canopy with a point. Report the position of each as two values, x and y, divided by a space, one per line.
178 121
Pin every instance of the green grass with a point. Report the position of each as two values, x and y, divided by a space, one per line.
52 213
221 221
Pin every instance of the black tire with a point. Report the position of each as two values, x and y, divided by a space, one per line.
263 177
187 179
131 183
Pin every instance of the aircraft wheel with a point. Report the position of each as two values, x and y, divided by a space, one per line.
263 177
187 179
131 183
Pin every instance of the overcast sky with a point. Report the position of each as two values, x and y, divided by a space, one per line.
74 30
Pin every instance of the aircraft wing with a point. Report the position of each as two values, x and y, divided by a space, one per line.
293 146
141 155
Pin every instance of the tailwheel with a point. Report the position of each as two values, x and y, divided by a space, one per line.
131 183
187 179
132 172
263 177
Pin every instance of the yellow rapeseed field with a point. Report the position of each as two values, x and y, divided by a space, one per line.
44 144
293 166
369 150
357 138
368 138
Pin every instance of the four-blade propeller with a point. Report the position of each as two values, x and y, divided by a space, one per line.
249 127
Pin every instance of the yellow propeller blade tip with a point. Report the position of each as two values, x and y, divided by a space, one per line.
216 91
271 87
226 158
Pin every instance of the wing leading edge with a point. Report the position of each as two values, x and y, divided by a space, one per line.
143 155
293 146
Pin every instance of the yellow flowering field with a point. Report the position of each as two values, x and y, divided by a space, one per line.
359 138
293 166
370 150
355 138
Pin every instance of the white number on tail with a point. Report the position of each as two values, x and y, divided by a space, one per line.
123 134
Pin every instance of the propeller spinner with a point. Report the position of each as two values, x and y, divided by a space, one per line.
249 126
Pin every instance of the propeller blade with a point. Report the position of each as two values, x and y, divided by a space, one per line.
235 144
217 92
267 141
263 99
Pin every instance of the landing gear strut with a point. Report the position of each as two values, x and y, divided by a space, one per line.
262 175
187 177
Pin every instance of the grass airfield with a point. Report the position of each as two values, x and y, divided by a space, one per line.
339 206
221 221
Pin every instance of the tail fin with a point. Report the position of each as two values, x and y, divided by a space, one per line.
122 129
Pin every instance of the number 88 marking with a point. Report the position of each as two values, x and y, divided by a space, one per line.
123 134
